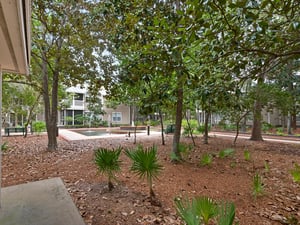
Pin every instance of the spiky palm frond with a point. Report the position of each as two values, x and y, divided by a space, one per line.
226 213
205 207
185 210
108 162
145 162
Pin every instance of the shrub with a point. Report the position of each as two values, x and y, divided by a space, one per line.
187 130
258 186
184 150
206 159
279 131
203 210
226 213
226 153
266 126
39 126
108 163
296 173
4 147
145 165
247 155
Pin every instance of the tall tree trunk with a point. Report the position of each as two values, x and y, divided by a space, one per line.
177 132
294 119
205 141
256 129
50 109
162 127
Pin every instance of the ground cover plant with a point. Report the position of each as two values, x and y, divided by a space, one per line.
128 203
108 163
145 164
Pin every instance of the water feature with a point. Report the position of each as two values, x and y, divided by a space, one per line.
92 132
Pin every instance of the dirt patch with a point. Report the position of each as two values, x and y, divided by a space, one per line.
225 179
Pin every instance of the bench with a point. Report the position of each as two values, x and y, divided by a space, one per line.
9 130
132 128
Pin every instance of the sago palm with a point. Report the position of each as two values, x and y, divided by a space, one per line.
145 164
108 163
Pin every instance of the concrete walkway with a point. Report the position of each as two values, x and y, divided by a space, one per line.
281 139
45 202
73 136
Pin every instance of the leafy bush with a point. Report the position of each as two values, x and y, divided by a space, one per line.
279 131
39 126
226 153
184 150
4 147
206 159
187 130
266 126
247 155
108 163
296 173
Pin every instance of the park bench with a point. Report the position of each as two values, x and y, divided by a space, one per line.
9 130
132 128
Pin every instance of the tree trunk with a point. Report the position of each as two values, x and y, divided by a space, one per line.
190 130
30 115
50 109
205 141
162 128
294 119
256 129
177 132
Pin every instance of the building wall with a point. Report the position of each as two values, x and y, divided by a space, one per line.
112 115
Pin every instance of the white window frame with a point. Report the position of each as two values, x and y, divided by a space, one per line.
116 117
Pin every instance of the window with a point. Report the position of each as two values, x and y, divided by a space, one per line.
116 117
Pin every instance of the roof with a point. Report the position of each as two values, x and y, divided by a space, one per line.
15 36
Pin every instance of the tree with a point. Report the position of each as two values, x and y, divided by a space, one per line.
64 41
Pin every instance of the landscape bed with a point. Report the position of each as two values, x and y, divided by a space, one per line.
225 178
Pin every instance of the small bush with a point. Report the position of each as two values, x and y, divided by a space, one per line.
108 163
279 131
267 166
39 126
204 210
258 186
228 152
247 155
4 147
266 127
296 173
206 159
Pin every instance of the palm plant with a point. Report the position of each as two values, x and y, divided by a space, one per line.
145 165
296 173
258 186
108 163
226 153
201 210
205 207
185 210
247 156
226 212
206 159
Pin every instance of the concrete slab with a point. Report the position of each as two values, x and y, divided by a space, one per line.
45 202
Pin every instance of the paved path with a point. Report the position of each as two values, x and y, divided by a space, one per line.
281 139
73 136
